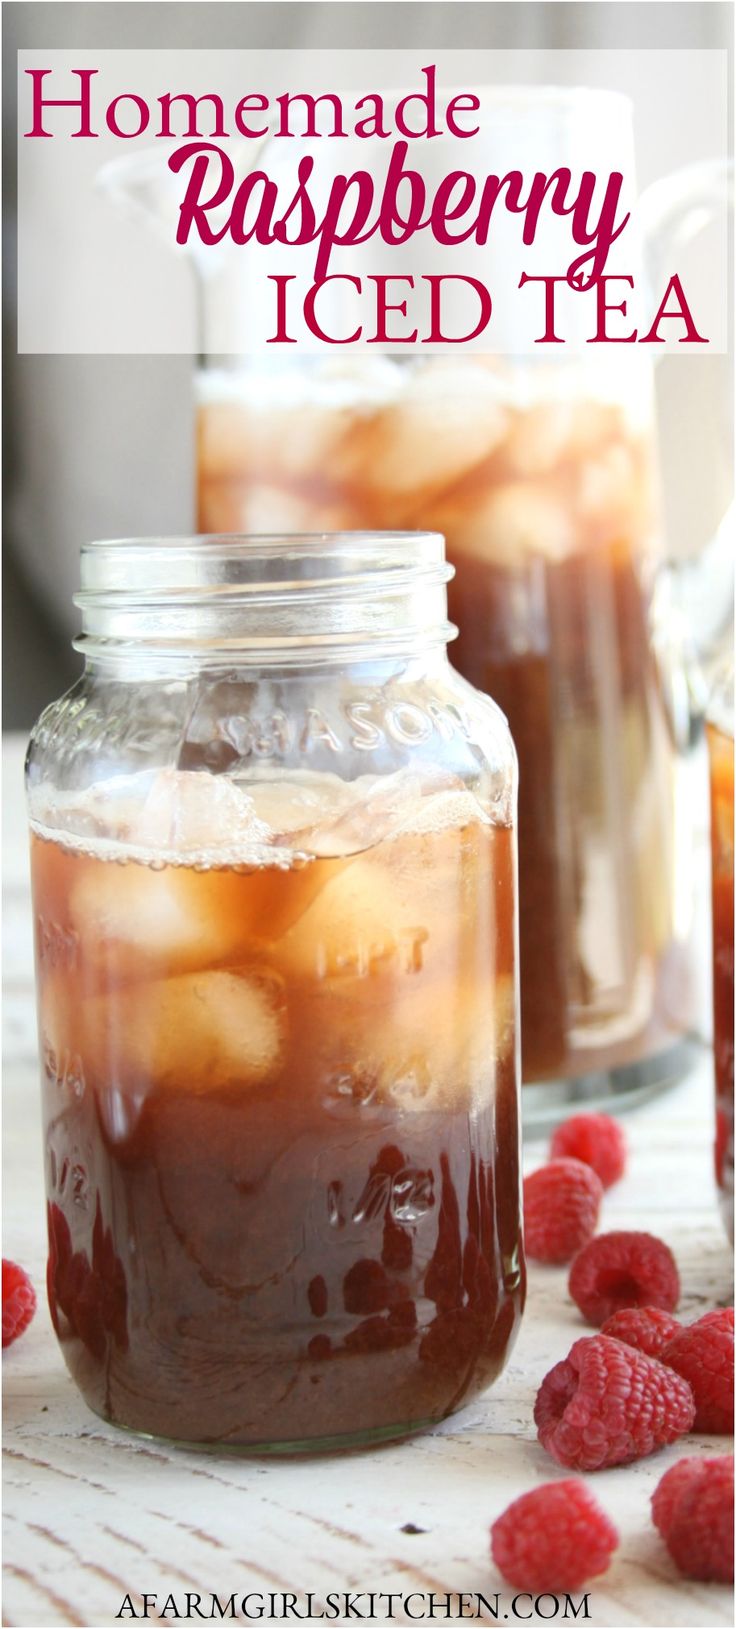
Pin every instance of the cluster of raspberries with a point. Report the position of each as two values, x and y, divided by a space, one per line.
558 1536
638 1385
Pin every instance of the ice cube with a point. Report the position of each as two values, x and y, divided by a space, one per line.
296 808
323 815
404 969
245 504
448 421
509 526
393 914
107 810
551 432
379 807
199 1032
613 493
273 508
198 884
133 920
306 440
456 1045
136 921
292 426
359 920
436 1045
194 815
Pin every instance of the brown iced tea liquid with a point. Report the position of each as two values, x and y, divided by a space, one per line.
549 513
601 985
721 753
281 1136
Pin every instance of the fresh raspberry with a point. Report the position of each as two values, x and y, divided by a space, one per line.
595 1139
692 1508
19 1301
720 1317
554 1538
623 1270
561 1205
670 1488
647 1328
606 1404
703 1355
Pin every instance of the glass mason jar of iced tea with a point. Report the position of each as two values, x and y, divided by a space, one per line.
720 747
274 884
543 479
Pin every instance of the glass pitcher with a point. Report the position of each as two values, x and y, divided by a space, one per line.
720 733
542 476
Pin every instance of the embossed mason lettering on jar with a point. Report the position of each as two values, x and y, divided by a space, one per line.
275 907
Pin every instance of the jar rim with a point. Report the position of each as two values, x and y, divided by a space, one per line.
280 542
265 591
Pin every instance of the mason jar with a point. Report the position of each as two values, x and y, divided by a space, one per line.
720 732
274 883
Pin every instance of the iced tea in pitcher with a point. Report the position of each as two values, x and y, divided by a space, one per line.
721 756
542 480
277 1017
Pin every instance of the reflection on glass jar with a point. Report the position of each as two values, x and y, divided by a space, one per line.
542 480
274 878
720 746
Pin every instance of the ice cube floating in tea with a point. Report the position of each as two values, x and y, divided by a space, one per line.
280 1102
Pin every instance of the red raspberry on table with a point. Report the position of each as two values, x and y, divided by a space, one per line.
623 1270
703 1354
19 1301
724 1144
607 1404
554 1538
561 1205
647 1328
692 1507
595 1139
670 1488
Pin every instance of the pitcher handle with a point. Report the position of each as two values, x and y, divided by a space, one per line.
676 208
692 604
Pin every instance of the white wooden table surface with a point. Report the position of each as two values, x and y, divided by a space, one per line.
92 1515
